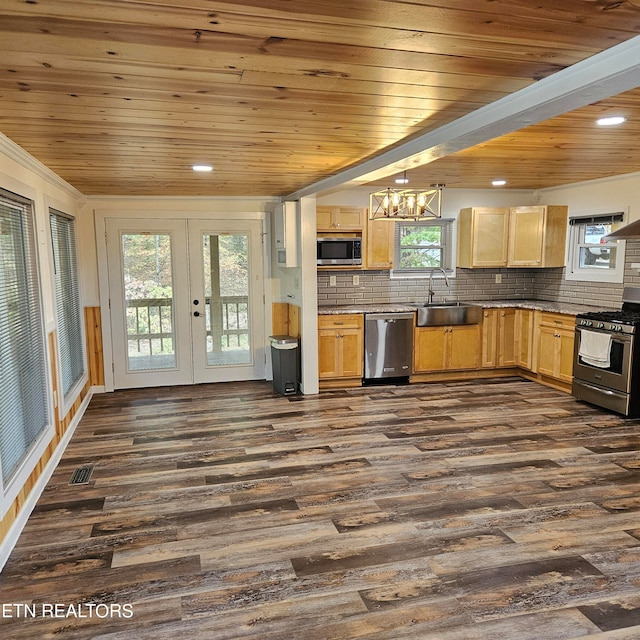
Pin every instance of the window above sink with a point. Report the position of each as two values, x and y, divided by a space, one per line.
423 246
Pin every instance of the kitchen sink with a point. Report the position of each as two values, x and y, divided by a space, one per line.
447 313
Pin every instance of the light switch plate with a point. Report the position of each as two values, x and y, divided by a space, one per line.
356 281
498 278
332 281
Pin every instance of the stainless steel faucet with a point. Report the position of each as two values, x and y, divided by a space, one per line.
446 281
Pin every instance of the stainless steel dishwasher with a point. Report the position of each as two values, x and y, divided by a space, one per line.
388 346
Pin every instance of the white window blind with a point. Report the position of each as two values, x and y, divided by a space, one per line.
23 397
423 246
592 257
68 309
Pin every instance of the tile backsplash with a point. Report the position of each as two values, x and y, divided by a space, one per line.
376 286
478 284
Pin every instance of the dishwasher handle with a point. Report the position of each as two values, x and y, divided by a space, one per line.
390 316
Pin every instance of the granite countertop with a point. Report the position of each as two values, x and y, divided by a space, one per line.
397 307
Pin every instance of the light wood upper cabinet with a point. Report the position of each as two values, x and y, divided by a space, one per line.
482 237
537 236
340 346
379 244
530 236
526 225
447 348
339 218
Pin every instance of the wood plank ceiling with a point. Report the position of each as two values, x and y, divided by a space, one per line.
122 97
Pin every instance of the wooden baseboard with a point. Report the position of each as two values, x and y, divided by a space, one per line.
560 385
475 374
340 383
446 376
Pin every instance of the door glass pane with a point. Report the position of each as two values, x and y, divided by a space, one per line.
148 294
226 278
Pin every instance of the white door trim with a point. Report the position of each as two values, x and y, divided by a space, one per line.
100 217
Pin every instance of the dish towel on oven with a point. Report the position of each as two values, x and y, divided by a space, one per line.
595 348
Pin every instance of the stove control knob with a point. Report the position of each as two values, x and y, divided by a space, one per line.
600 325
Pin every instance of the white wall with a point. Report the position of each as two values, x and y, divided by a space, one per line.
598 196
24 175
452 199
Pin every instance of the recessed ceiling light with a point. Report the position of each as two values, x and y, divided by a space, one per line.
499 183
610 121
202 167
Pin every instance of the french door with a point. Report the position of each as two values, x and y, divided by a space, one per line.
186 301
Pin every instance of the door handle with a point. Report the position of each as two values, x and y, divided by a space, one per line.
196 302
196 314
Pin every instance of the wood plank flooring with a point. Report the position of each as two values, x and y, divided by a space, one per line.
496 509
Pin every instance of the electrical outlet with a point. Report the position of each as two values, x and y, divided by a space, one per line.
498 278
332 281
356 281
296 283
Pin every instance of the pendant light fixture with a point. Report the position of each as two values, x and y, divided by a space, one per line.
406 204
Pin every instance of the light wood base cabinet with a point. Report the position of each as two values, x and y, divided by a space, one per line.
498 338
524 338
555 346
340 346
447 348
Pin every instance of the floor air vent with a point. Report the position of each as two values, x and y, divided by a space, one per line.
81 475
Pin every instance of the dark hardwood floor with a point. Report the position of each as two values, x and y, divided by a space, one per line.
496 509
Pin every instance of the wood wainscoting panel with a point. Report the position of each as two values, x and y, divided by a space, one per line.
280 318
285 319
95 359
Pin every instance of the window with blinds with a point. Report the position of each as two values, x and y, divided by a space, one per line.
592 256
68 309
23 378
421 247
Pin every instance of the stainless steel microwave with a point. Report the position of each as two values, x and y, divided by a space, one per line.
339 251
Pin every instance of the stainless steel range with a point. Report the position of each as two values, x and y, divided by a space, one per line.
606 365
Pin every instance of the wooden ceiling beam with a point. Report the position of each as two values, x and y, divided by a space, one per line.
611 72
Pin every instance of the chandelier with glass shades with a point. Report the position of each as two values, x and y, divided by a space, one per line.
406 204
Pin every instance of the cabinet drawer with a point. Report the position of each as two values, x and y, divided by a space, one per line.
341 321
557 320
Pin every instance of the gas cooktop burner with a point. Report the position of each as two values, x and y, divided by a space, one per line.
620 317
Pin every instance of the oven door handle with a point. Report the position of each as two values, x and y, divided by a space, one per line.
602 390
615 337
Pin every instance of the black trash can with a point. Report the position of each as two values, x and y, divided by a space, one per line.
284 358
